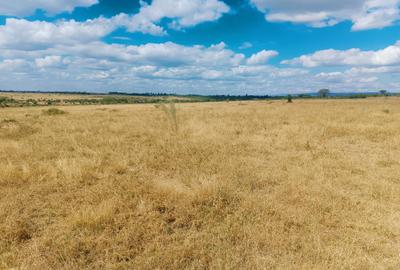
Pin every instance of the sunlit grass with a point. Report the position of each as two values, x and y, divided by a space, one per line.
269 185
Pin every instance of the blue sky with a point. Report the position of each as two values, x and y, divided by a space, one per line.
200 46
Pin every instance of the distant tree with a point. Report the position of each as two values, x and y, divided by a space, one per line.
383 92
289 99
324 93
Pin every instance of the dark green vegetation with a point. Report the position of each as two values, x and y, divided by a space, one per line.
54 111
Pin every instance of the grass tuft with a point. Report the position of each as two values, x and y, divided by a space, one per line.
170 111
54 111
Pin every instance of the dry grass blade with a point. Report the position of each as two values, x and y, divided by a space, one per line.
171 114
313 185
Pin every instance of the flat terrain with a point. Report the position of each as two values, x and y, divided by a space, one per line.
233 185
18 99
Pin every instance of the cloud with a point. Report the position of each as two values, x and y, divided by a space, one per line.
48 61
68 54
20 38
365 14
23 8
23 34
377 14
261 58
375 70
369 79
245 45
10 65
183 14
348 77
352 57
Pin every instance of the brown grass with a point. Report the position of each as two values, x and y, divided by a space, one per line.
308 185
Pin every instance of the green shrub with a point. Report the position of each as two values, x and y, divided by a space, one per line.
6 101
6 121
54 111
114 100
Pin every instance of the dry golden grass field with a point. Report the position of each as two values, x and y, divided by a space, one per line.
235 185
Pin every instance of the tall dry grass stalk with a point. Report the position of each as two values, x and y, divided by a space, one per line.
310 185
171 114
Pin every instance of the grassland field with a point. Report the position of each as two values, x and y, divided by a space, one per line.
19 99
313 184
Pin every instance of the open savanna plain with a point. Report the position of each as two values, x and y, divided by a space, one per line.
313 184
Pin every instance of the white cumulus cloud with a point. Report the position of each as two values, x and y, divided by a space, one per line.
28 7
262 57
365 14
183 13
24 34
352 57
48 61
